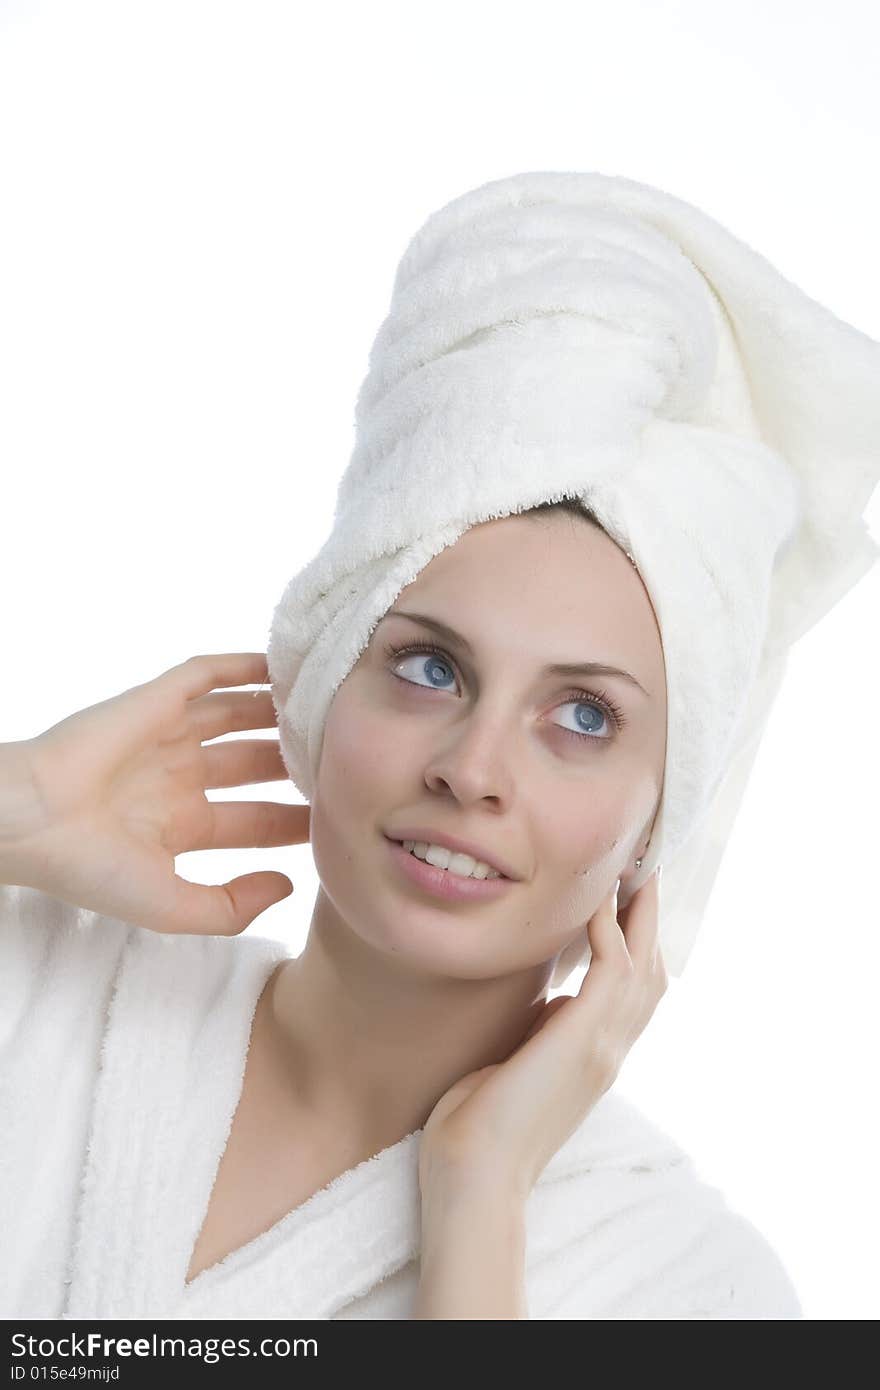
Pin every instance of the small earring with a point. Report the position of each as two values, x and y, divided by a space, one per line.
638 863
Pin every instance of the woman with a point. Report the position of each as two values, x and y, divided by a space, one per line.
404 1004
397 1124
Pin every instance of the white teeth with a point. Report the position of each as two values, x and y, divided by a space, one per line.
441 858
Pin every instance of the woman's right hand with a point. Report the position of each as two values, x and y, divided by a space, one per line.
110 795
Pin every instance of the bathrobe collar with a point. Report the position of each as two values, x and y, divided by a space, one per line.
172 1068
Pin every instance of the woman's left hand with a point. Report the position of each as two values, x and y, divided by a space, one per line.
503 1123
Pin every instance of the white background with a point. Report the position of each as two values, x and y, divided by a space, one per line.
203 206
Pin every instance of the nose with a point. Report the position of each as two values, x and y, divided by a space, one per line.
475 761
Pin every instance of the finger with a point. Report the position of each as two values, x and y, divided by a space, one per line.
243 761
223 909
607 943
639 923
199 674
227 713
610 965
190 680
254 825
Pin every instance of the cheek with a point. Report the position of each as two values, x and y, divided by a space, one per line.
580 859
585 835
358 753
347 795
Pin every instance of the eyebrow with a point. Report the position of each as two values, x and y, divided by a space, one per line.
556 668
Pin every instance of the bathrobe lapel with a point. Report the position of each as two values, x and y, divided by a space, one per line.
172 1066
338 1245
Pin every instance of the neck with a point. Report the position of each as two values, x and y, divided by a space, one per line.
370 1041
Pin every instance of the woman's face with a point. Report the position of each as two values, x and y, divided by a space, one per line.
487 745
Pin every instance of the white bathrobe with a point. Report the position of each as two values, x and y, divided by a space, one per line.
122 1055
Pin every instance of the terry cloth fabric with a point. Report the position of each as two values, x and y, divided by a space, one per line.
122 1056
575 334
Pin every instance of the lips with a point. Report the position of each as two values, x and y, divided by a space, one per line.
456 845
443 885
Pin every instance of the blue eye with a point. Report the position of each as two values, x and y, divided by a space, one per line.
430 667
597 701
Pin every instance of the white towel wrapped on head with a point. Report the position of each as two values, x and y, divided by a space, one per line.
577 334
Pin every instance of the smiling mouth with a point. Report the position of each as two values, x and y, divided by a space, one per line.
444 868
447 882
